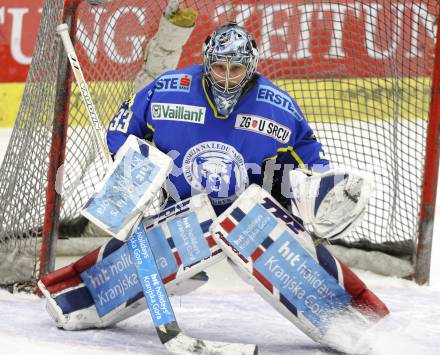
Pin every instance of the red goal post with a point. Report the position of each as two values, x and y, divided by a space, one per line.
430 178
362 71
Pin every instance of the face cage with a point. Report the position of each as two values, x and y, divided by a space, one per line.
248 60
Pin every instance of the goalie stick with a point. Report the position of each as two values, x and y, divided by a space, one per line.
157 298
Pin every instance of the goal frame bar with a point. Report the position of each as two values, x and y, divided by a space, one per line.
57 150
430 178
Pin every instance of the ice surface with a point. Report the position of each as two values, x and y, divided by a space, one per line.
226 310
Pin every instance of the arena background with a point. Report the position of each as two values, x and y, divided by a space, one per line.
19 21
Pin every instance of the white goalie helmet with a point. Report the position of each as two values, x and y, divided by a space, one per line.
230 58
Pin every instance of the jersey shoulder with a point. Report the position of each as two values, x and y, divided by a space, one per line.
176 82
267 93
172 85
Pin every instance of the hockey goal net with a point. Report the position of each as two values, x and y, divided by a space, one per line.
360 70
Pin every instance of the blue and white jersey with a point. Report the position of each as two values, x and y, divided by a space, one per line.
220 155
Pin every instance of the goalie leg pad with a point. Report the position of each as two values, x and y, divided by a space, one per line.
363 299
102 288
300 279
69 301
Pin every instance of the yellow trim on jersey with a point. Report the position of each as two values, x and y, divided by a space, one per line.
131 101
214 109
271 158
150 134
150 127
294 155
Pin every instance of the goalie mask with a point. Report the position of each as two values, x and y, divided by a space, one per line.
230 59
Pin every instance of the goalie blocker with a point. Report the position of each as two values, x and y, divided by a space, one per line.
103 288
298 277
130 188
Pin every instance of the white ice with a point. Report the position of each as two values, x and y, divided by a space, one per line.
225 309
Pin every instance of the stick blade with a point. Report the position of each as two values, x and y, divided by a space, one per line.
185 345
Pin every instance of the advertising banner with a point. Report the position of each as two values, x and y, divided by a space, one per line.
297 40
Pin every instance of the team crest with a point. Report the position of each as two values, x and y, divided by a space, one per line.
217 169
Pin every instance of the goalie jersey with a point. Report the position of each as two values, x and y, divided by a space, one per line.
220 155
